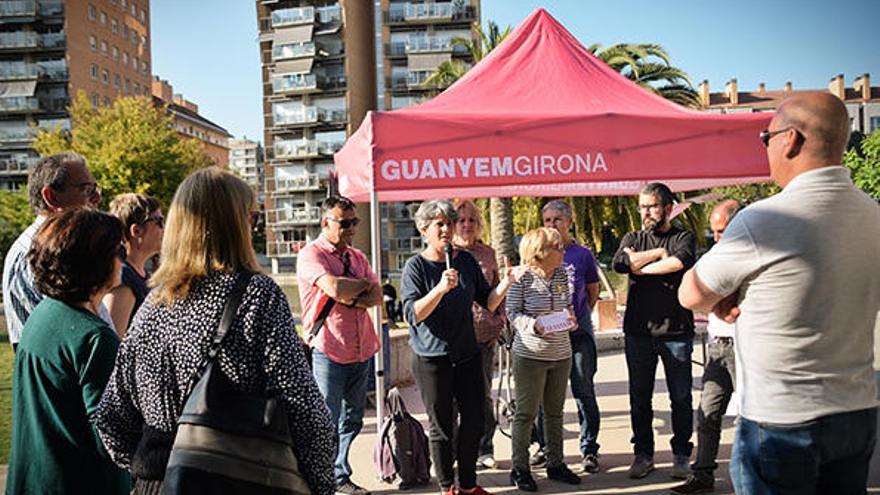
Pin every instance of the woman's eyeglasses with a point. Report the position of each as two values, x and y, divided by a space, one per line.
159 219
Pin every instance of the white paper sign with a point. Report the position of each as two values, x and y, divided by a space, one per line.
557 321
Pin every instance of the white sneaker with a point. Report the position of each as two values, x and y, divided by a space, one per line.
486 461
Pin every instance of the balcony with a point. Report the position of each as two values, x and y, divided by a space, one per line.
284 248
301 216
296 149
17 165
20 8
429 45
301 115
18 104
53 40
18 70
19 39
329 147
293 50
293 16
406 245
397 49
329 15
416 79
332 83
16 135
293 83
305 182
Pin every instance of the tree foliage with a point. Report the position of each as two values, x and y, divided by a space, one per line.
15 216
130 146
864 161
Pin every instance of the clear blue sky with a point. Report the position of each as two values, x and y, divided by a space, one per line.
208 49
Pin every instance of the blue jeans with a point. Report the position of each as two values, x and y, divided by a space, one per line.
583 389
642 353
828 455
344 387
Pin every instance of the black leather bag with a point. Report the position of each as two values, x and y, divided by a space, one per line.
229 441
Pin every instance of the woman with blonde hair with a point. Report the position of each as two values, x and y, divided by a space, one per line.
143 225
539 309
206 248
487 324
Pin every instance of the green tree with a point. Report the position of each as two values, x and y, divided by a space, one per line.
15 216
864 161
130 146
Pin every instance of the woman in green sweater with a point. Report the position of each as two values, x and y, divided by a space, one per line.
64 359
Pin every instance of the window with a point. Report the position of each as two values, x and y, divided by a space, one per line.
115 53
143 16
92 13
134 63
144 40
104 47
95 100
94 72
124 58
125 32
103 18
114 26
137 88
144 67
93 42
122 4
117 81
874 124
134 37
127 85
133 10
105 77
106 101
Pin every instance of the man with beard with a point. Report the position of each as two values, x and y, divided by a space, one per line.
656 327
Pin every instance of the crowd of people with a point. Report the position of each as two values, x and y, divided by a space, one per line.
106 352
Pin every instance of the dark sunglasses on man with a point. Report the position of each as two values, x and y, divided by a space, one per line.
766 135
345 223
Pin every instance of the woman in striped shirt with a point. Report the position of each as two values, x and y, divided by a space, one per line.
539 308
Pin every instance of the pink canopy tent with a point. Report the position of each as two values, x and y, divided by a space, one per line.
541 116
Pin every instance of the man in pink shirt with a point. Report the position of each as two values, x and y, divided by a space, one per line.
336 286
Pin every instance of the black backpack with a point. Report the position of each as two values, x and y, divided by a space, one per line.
402 450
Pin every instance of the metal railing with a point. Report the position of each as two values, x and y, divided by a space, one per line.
299 148
18 8
301 115
18 70
305 182
293 82
19 104
20 39
15 135
308 215
284 248
428 45
293 50
293 16
17 165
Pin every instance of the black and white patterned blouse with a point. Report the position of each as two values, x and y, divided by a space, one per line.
165 344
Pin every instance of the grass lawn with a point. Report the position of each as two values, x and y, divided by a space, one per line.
5 400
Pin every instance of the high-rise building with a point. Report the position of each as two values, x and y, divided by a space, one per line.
325 64
190 124
52 49
246 161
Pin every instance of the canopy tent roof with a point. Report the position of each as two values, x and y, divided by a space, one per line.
541 116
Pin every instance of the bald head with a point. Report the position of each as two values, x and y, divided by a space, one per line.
721 216
822 120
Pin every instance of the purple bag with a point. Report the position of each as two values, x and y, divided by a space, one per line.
402 450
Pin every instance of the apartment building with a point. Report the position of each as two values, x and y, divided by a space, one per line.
325 64
862 101
246 161
52 49
191 124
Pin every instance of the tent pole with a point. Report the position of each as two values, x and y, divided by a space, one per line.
379 359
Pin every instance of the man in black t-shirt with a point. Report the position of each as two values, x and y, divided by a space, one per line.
657 326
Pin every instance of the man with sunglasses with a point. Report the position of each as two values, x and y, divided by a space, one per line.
799 275
56 183
336 286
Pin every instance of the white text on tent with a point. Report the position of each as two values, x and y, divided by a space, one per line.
522 165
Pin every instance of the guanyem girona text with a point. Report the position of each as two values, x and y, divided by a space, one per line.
495 166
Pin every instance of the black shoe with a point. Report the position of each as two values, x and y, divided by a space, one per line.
563 474
696 484
523 480
349 488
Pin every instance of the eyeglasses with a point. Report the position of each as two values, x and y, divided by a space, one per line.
89 188
121 253
649 207
767 134
159 219
345 223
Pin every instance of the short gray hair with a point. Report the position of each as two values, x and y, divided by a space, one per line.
559 205
429 210
50 171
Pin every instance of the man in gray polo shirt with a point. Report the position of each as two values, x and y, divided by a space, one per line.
798 273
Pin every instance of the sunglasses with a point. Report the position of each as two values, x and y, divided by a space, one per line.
346 223
766 135
121 253
159 219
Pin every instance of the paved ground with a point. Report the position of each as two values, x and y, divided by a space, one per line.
613 438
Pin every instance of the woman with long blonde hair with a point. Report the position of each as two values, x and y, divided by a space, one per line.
207 245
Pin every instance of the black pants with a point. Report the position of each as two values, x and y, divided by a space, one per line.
441 384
